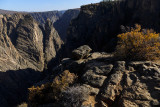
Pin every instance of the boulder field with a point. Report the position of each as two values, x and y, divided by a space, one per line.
113 83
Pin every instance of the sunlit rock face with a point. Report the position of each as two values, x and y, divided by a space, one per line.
29 42
10 59
25 50
22 43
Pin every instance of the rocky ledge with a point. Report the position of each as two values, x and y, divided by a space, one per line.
114 83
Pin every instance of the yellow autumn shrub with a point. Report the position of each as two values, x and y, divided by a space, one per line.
138 44
40 94
50 92
62 82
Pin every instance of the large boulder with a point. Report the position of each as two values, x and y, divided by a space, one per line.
81 52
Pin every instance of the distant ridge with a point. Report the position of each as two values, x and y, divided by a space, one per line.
41 17
2 11
7 12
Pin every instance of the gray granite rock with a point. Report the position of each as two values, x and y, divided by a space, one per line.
81 52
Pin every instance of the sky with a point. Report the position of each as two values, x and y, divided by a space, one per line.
43 5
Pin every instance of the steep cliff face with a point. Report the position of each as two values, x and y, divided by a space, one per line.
23 55
23 42
29 42
98 24
53 42
143 12
12 22
62 24
10 59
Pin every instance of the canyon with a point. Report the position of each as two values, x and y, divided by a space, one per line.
37 47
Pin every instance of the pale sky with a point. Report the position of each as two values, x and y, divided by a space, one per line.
43 5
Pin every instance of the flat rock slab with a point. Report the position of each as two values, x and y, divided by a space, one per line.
93 79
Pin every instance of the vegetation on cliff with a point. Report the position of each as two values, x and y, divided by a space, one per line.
50 92
138 44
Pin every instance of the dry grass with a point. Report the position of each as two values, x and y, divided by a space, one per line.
75 96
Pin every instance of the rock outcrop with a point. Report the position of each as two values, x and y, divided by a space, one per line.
116 83
81 52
